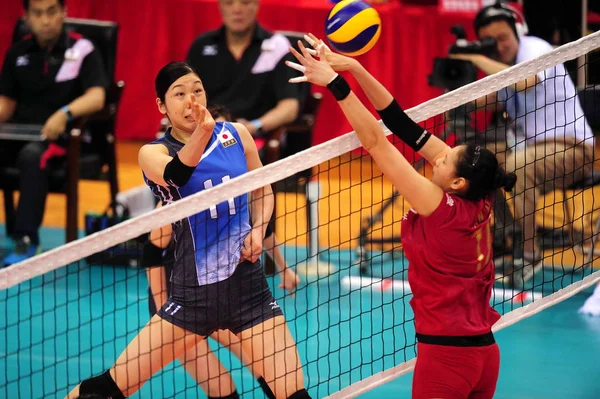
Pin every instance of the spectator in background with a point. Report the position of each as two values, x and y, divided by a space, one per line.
51 77
554 143
243 67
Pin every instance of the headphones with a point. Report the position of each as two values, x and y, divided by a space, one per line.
501 12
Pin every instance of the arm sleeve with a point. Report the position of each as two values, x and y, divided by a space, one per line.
92 71
8 82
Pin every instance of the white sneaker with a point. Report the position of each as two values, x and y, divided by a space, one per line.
592 304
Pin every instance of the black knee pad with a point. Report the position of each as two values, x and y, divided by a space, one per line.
266 388
301 394
102 386
269 230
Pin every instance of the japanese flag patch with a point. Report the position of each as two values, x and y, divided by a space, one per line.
226 138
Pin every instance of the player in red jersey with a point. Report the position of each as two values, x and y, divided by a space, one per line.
446 235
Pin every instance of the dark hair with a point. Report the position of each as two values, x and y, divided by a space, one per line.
480 168
220 111
169 74
26 4
493 13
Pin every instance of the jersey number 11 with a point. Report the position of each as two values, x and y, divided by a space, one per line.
213 209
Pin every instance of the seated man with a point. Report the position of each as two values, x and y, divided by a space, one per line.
48 78
554 143
243 68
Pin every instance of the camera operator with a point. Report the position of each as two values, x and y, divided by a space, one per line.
554 143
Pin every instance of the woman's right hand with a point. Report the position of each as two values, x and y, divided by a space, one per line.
337 61
203 118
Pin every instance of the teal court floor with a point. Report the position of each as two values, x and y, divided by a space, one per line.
72 323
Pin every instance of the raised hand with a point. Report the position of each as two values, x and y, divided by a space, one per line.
315 70
203 118
337 61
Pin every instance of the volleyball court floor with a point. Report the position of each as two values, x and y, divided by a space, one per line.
58 324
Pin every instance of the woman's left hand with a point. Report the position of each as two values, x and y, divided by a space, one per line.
289 281
316 70
253 245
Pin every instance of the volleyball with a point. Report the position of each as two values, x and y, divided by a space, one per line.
352 27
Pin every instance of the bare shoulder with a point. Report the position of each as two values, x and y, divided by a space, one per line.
150 150
245 136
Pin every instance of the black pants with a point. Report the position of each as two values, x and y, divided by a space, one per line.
33 184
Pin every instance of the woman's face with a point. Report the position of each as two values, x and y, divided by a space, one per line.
178 101
444 171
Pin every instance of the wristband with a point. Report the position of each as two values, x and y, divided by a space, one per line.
257 124
400 124
176 173
339 88
67 112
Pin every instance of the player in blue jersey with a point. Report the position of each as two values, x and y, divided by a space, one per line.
200 362
217 280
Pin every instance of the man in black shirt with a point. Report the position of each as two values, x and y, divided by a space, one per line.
243 68
49 78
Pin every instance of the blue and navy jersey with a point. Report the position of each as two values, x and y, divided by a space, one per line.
208 244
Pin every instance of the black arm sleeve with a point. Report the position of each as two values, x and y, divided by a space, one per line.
403 127
177 173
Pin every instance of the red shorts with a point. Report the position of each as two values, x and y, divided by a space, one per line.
456 372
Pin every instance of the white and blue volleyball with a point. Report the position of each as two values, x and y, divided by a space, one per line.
352 27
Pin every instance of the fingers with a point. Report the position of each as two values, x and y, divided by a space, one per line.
297 67
298 56
321 50
299 79
311 39
303 49
314 41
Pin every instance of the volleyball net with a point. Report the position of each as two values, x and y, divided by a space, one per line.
70 312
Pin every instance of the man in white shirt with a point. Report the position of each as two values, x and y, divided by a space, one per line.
554 143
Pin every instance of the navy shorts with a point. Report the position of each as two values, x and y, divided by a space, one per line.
237 303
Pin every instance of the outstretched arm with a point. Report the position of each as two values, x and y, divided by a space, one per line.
392 115
422 194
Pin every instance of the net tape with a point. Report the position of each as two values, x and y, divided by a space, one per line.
279 170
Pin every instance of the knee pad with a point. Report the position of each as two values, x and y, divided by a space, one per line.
269 230
301 394
102 386
267 390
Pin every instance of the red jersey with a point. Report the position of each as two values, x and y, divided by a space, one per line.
451 270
